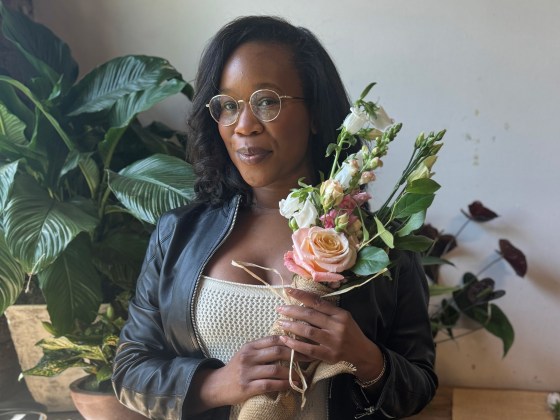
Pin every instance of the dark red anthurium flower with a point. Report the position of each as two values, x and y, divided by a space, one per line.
514 256
479 213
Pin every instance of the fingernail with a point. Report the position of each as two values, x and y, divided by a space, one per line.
280 309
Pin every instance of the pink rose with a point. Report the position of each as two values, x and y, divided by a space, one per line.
320 254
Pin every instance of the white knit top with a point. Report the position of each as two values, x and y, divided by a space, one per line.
229 314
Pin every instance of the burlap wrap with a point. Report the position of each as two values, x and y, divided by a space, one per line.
284 405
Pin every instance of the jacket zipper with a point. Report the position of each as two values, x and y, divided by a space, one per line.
199 342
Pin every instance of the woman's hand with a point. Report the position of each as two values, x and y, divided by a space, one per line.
330 334
253 370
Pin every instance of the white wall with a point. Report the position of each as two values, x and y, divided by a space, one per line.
486 71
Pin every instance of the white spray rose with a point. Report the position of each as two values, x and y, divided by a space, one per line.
307 216
553 399
289 206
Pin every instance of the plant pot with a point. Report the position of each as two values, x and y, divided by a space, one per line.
26 329
99 405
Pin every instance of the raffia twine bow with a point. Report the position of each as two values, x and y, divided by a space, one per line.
284 405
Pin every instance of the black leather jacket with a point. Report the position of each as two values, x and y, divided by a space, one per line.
159 352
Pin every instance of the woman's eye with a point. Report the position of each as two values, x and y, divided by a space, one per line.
229 106
267 102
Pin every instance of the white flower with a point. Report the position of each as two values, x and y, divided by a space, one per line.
356 120
381 121
553 400
346 173
307 216
290 205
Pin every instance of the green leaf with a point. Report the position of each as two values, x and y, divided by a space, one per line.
416 243
438 290
410 204
49 56
152 186
119 256
414 222
128 106
54 364
423 186
370 261
15 105
366 90
12 276
72 286
103 86
495 321
7 175
384 234
39 227
11 126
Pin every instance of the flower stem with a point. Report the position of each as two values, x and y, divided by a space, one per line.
489 265
458 336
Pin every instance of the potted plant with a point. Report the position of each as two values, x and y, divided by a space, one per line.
81 180
473 297
92 348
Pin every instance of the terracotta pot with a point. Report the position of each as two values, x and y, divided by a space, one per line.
99 405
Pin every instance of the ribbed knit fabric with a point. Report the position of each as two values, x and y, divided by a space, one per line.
228 314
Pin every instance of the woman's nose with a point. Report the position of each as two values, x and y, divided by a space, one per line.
247 123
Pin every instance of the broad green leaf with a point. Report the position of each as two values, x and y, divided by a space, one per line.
410 204
39 227
370 261
41 47
89 168
414 222
11 126
384 234
53 344
103 86
7 174
72 286
423 186
119 256
415 243
55 364
128 106
13 102
12 276
495 322
152 186
108 145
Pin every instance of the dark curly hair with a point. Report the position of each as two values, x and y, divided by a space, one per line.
217 178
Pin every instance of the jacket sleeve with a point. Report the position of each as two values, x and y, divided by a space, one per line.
149 376
409 349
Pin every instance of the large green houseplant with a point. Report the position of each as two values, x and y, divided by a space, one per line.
68 149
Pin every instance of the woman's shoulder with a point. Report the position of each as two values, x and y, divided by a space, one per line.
194 214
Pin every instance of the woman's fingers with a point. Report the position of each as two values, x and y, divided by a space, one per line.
312 300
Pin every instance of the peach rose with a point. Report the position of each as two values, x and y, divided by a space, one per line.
320 254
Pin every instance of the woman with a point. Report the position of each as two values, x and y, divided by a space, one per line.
196 345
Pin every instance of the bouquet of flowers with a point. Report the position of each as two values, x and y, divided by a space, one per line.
338 242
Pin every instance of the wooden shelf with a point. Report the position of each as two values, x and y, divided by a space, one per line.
486 404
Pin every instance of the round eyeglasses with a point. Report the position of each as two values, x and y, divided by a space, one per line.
264 103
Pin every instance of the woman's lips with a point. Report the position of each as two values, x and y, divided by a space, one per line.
252 155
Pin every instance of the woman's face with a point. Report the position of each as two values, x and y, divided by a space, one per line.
267 154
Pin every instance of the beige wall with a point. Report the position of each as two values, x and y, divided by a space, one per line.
486 71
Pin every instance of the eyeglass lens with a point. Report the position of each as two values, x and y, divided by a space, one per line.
265 105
